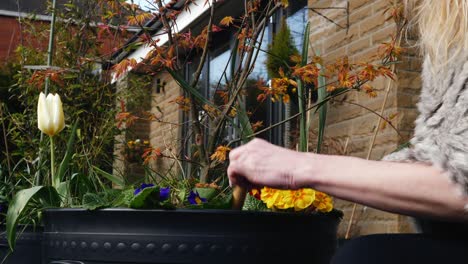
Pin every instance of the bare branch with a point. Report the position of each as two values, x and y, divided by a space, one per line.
374 112
165 22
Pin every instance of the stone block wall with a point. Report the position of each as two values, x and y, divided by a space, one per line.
350 128
162 130
166 133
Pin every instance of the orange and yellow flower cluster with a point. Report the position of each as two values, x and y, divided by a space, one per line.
301 199
220 154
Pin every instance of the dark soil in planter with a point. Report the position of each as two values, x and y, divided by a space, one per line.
27 249
188 236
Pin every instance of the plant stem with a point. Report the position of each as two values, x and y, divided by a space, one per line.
302 117
289 118
5 140
52 161
50 54
204 159
244 73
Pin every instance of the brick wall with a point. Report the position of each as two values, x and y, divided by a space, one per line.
12 34
163 132
9 34
166 133
353 125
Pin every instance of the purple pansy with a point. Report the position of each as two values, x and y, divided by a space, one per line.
195 199
164 193
143 186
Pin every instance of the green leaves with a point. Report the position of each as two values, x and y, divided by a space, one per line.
93 201
282 49
118 181
253 204
68 155
207 193
322 94
303 131
42 196
45 195
189 89
214 199
107 198
245 129
149 198
220 202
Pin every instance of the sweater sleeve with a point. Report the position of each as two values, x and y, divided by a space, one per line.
441 130
402 155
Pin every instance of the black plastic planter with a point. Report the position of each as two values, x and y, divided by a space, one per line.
187 236
27 249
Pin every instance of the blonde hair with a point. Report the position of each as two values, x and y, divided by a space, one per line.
443 28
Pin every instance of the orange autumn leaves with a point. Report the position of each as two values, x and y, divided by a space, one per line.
278 89
227 21
162 57
342 74
220 154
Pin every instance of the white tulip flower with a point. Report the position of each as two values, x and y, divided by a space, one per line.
50 119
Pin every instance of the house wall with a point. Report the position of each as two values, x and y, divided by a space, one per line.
8 29
162 130
11 35
166 133
350 128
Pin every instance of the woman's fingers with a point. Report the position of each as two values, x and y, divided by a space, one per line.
231 175
260 163
235 153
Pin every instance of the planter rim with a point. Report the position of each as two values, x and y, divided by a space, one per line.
124 235
334 213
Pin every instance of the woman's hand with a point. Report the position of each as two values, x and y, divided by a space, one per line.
260 163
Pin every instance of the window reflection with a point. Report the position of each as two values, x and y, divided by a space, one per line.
219 70
216 74
260 70
296 23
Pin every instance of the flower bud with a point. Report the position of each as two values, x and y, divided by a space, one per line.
50 118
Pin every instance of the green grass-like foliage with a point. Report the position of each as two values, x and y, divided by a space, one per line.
280 51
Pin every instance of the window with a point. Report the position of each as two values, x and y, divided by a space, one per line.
297 17
215 74
296 20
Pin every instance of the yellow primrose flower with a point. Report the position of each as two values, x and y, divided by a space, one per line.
303 198
323 202
269 196
285 199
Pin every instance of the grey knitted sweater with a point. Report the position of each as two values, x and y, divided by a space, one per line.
441 133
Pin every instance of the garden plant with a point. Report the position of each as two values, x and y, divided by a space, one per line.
83 178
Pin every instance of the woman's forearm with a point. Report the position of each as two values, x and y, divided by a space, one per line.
405 188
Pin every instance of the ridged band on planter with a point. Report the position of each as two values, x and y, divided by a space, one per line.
187 236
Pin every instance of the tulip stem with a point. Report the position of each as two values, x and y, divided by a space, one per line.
52 161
